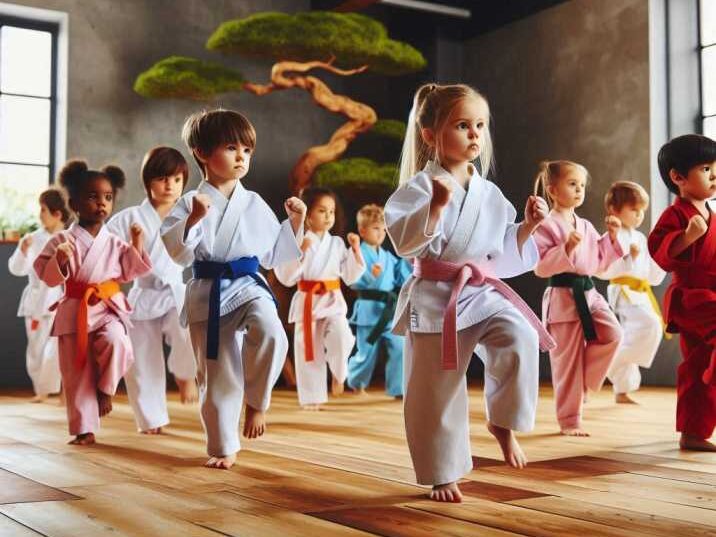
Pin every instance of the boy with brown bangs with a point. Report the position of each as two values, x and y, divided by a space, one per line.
226 232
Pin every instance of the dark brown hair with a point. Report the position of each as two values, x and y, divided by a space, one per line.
204 131
75 175
55 201
312 195
161 162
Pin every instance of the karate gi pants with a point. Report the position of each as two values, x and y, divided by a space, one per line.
252 351
436 401
362 363
146 379
41 357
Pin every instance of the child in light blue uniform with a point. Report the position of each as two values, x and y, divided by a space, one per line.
374 308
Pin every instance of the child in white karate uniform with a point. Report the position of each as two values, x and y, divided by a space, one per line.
157 298
322 335
462 234
227 232
42 355
629 292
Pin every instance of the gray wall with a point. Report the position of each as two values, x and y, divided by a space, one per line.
571 82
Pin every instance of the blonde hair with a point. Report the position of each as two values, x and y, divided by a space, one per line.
550 171
370 214
623 193
432 105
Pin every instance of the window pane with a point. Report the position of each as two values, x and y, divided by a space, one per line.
25 61
708 22
24 129
708 80
710 127
19 188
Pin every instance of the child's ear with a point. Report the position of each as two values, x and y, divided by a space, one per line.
676 177
428 136
200 156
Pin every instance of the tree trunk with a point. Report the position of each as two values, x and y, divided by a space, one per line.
361 116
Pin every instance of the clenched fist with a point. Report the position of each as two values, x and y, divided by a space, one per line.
613 226
442 192
696 229
136 236
354 241
572 242
634 251
296 212
25 243
64 252
200 205
536 210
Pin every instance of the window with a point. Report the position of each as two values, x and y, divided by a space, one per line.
28 116
707 17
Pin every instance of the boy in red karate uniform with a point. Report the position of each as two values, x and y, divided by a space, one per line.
684 243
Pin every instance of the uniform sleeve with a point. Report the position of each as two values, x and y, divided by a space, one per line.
180 249
667 230
609 252
352 264
286 247
46 266
118 226
406 218
553 257
19 264
133 263
367 280
289 272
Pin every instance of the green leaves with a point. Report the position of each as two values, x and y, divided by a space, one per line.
353 39
357 173
180 77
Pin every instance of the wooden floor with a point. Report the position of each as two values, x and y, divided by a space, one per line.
346 471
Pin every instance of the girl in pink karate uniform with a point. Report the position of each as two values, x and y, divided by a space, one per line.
92 318
575 314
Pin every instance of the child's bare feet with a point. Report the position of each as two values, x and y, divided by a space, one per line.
337 387
155 430
312 407
574 431
511 450
254 422
221 463
360 391
61 400
187 391
104 402
449 492
623 398
84 439
694 443
39 398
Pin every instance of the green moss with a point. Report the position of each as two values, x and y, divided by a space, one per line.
180 77
389 128
352 38
359 173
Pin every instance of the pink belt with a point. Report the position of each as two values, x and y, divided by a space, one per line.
473 274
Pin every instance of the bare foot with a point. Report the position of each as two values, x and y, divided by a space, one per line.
39 398
187 391
623 398
359 391
337 387
449 492
694 443
84 439
222 463
104 402
511 450
312 407
254 422
61 401
574 431
155 430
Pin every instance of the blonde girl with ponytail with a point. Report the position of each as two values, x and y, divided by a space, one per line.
461 233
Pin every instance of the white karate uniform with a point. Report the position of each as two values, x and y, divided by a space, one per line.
477 226
41 356
156 300
642 326
253 343
327 258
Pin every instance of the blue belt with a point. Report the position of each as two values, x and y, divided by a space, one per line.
217 271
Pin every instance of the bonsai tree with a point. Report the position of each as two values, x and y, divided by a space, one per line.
344 44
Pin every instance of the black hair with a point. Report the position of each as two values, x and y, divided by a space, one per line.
75 175
683 153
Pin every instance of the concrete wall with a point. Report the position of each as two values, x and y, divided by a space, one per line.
571 82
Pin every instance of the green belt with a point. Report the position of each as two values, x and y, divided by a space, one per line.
389 298
579 284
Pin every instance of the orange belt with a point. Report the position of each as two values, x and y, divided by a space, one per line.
313 287
84 292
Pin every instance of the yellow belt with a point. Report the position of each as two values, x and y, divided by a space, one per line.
641 286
